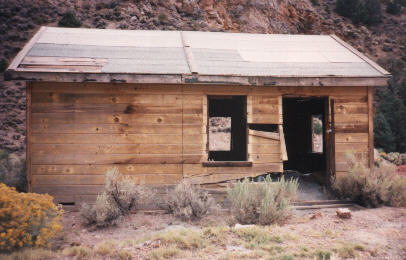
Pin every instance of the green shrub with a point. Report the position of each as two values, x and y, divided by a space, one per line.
264 203
360 11
3 65
371 187
27 219
318 128
119 196
188 202
393 109
383 136
69 19
12 171
394 7
315 2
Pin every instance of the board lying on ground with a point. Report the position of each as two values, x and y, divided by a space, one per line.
142 101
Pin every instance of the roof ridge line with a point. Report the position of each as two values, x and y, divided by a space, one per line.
360 55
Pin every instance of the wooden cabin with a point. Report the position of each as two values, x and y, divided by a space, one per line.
149 103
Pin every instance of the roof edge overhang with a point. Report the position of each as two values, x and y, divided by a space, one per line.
349 81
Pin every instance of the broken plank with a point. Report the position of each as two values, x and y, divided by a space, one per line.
263 134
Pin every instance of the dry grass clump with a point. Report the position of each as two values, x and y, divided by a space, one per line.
264 203
27 219
119 196
371 187
188 202
165 253
30 254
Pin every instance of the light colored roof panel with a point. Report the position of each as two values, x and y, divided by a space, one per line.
114 52
111 37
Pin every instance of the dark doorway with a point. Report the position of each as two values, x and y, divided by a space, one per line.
304 124
227 128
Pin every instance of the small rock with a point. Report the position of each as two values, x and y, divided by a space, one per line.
343 213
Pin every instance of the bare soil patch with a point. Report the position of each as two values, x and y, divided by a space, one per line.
370 233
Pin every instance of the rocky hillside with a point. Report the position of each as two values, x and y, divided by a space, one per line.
19 19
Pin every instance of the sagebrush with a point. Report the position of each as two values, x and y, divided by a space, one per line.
188 201
262 202
27 219
120 195
371 187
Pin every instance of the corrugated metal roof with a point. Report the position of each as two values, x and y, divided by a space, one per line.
202 53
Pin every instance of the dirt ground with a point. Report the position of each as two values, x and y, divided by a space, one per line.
370 233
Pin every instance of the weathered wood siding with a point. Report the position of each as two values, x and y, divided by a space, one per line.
158 133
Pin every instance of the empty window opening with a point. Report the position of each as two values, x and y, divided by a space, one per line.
264 127
227 128
220 134
304 134
317 133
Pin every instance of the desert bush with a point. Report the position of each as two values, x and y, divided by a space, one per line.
371 187
69 19
264 202
360 11
12 171
27 219
188 202
394 7
120 195
3 65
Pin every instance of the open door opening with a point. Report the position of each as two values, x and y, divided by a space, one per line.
305 128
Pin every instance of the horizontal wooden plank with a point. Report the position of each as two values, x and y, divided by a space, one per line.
106 118
264 148
351 108
100 179
351 118
63 190
105 98
360 156
41 149
115 108
106 139
259 140
117 128
265 108
351 138
60 149
105 88
77 158
265 158
352 147
351 128
265 119
128 169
